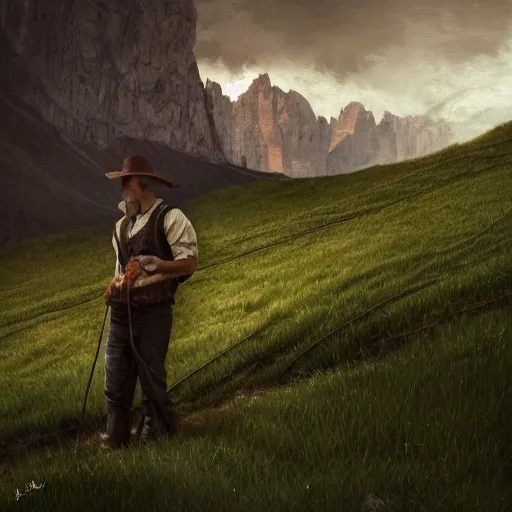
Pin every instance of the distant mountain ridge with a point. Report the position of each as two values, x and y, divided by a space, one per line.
270 130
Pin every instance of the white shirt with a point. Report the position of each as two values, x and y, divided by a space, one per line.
179 232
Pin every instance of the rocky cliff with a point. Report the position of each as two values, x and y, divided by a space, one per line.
269 130
52 180
107 69
354 141
415 135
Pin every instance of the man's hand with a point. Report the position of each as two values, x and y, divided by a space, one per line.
174 268
111 286
150 263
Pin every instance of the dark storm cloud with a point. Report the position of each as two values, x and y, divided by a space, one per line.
341 36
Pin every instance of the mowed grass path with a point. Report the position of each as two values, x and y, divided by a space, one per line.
424 427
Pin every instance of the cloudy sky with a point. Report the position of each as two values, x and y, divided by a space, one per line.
447 58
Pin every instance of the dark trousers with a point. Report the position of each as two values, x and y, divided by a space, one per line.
151 328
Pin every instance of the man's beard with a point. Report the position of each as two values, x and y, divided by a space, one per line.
132 208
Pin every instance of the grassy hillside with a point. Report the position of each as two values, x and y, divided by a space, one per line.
406 403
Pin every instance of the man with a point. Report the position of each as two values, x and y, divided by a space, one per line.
165 242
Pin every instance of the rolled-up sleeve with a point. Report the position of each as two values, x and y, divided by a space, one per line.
117 270
180 234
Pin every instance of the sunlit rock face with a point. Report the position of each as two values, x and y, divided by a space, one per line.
355 142
270 130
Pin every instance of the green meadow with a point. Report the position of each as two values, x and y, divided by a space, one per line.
376 371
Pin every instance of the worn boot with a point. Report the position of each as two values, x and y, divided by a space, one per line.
154 427
117 433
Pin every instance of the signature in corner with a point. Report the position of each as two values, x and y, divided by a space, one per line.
32 486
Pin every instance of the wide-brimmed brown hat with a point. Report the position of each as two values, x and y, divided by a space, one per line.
137 165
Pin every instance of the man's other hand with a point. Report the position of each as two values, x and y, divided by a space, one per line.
150 263
176 268
111 286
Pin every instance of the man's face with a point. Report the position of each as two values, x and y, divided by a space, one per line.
131 189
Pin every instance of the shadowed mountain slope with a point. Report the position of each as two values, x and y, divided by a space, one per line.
52 185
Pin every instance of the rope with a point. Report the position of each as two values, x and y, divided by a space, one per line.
382 342
146 368
422 327
437 321
141 362
196 370
357 214
407 291
90 376
47 313
212 359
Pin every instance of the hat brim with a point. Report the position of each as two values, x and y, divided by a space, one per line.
121 174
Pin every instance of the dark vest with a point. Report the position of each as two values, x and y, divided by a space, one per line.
149 241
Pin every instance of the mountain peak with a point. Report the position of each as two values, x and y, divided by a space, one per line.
213 86
262 81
